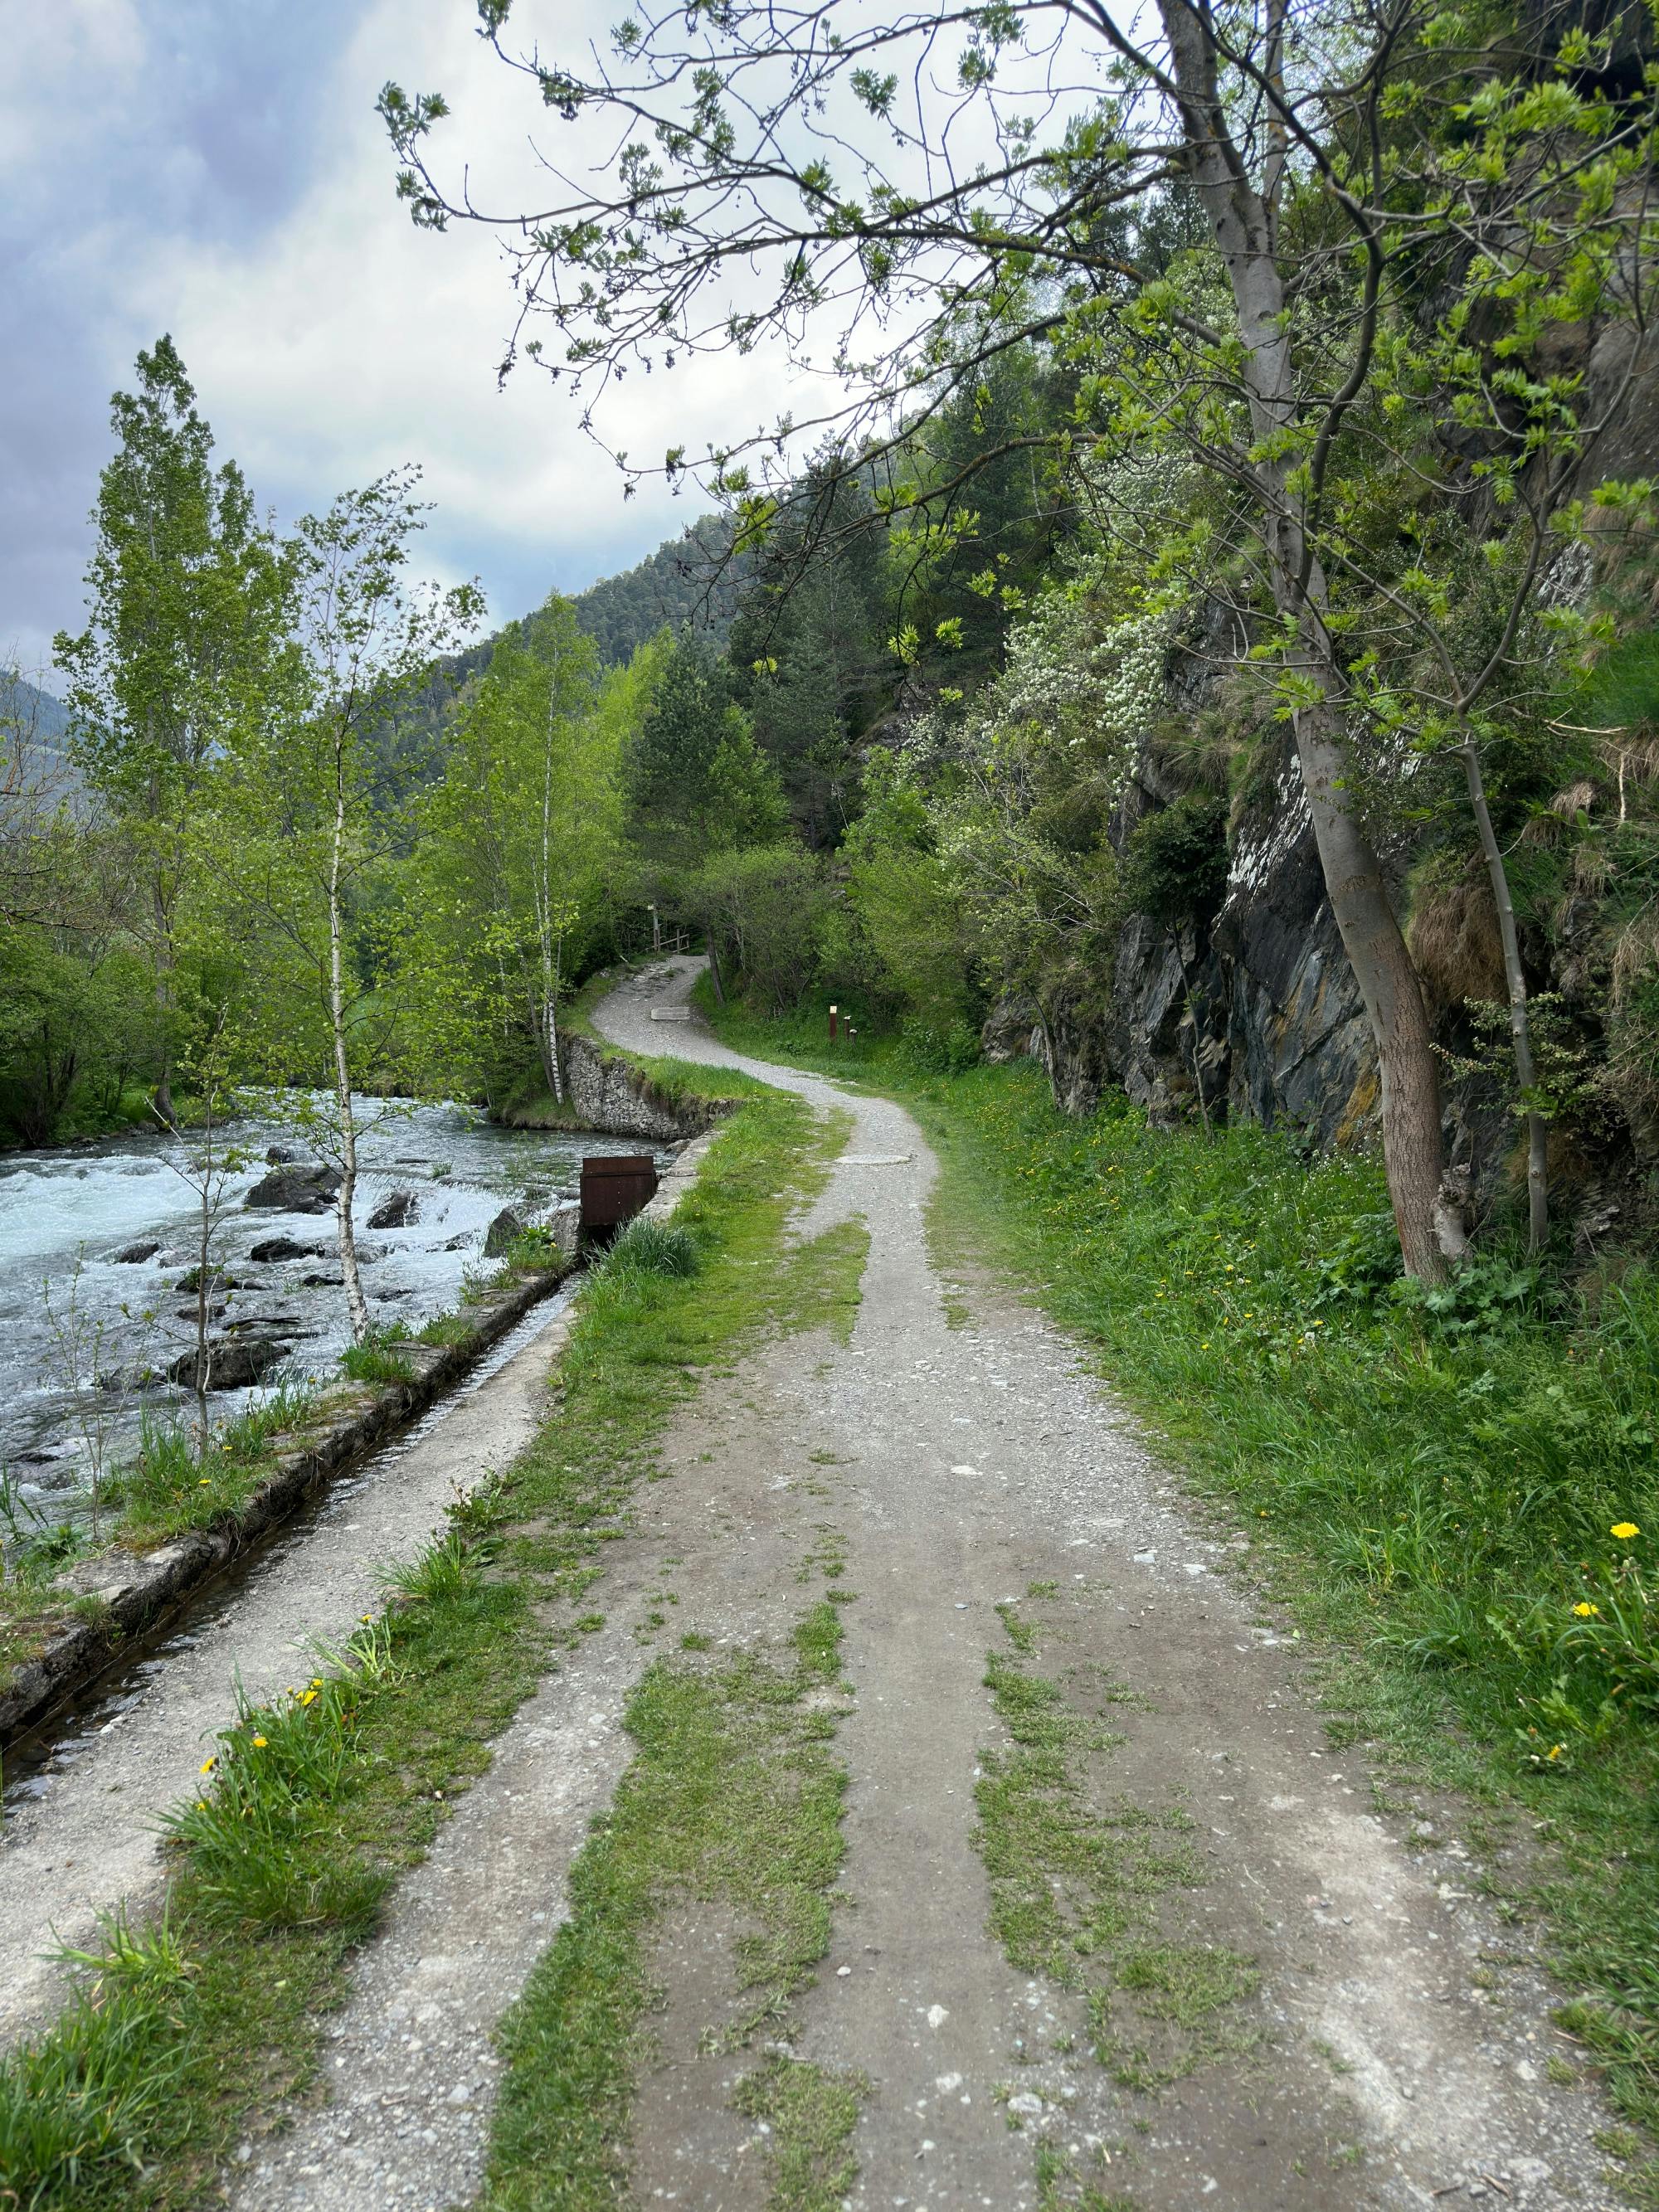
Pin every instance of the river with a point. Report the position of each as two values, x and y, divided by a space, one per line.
65 1216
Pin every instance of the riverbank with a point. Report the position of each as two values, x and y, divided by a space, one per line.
1456 1497
58 1631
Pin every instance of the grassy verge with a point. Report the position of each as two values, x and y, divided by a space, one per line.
1433 1486
311 1809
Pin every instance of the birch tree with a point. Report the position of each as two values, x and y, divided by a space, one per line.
527 826
299 831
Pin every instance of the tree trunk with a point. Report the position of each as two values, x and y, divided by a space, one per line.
714 969
164 1110
1192 1016
1243 223
356 1304
203 1301
1526 1077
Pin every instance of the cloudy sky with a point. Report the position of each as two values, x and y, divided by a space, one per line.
215 168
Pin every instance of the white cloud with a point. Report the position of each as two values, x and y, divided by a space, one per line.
327 338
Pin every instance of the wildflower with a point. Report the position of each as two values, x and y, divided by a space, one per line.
205 1482
1624 1531
1556 1750
260 1742
207 1766
1586 1611
1205 1346
309 1698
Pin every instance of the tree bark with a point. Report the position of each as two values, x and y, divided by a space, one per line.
1241 220
1515 977
356 1303
1410 1079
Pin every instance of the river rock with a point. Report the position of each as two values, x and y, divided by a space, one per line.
145 1249
459 1244
282 1156
395 1211
234 1362
502 1230
285 1247
217 1281
295 1190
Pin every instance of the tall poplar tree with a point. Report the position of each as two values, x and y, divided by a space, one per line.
187 591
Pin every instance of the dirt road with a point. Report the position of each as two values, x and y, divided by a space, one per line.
1117 1924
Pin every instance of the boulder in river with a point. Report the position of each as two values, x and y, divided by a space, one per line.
131 1254
395 1211
286 1248
282 1156
502 1230
217 1281
295 1190
234 1362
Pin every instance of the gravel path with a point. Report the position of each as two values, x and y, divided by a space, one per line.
1396 2051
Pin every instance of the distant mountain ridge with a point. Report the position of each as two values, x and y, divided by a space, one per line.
690 579
28 714
688 582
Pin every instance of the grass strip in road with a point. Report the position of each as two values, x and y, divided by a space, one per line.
1432 1482
178 2038
1084 1894
733 1798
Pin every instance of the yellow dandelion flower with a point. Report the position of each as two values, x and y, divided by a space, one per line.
1556 1750
259 1742
207 1766
309 1698
1624 1531
205 1482
1586 1611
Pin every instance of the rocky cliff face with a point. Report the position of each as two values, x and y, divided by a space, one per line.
1258 1007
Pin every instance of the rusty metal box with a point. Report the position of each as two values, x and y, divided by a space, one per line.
614 1186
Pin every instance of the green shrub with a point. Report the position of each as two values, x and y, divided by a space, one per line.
653 1247
376 1359
535 1246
